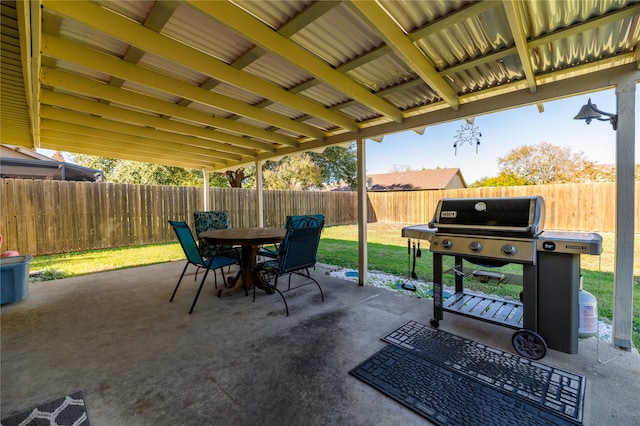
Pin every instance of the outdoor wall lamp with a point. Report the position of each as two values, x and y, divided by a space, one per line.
590 111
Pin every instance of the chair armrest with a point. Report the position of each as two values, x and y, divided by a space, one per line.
267 253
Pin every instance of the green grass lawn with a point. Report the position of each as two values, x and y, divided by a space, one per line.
387 253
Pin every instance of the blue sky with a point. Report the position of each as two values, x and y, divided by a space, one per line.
502 132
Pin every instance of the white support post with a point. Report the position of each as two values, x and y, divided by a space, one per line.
362 212
625 205
205 190
259 196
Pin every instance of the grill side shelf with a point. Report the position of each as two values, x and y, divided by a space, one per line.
498 311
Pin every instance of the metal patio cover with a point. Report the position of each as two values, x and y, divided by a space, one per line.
215 85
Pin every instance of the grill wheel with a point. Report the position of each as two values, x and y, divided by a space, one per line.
529 344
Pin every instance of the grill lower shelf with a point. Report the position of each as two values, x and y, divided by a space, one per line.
499 311
513 279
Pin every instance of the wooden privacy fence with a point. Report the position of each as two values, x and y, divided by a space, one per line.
44 217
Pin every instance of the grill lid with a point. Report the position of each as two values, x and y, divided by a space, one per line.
505 216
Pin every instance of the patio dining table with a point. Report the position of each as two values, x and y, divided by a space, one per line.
249 239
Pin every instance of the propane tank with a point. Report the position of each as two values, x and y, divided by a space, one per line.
588 308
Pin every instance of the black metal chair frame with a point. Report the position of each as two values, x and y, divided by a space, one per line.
210 250
188 243
297 254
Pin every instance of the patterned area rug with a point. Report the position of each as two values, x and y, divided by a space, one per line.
69 410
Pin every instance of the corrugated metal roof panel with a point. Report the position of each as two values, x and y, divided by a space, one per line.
14 120
284 110
208 109
412 97
282 73
487 75
82 71
467 40
149 91
325 94
173 69
591 45
273 13
414 14
320 124
206 34
255 123
137 10
542 17
337 36
386 71
82 34
237 93
359 112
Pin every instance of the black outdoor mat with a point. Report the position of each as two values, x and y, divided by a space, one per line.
551 390
444 396
68 410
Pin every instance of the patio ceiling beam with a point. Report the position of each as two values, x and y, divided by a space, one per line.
111 145
555 88
467 12
251 28
298 22
157 18
406 49
611 63
148 40
29 29
61 49
100 149
101 91
127 116
427 30
118 132
514 19
295 24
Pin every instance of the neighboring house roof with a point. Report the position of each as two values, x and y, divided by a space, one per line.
21 163
414 180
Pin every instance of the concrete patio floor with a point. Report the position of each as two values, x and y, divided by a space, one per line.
141 360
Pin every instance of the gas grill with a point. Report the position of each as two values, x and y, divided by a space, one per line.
493 232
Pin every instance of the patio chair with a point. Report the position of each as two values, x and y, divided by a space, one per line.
297 253
292 221
194 257
206 221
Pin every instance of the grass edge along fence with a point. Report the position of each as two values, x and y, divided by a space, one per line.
46 217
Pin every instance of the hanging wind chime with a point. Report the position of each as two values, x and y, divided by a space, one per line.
468 133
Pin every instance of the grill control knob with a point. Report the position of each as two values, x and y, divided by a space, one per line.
475 246
447 243
509 249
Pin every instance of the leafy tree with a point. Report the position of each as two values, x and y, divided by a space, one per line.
295 173
500 180
309 170
125 171
236 177
219 180
337 165
545 163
